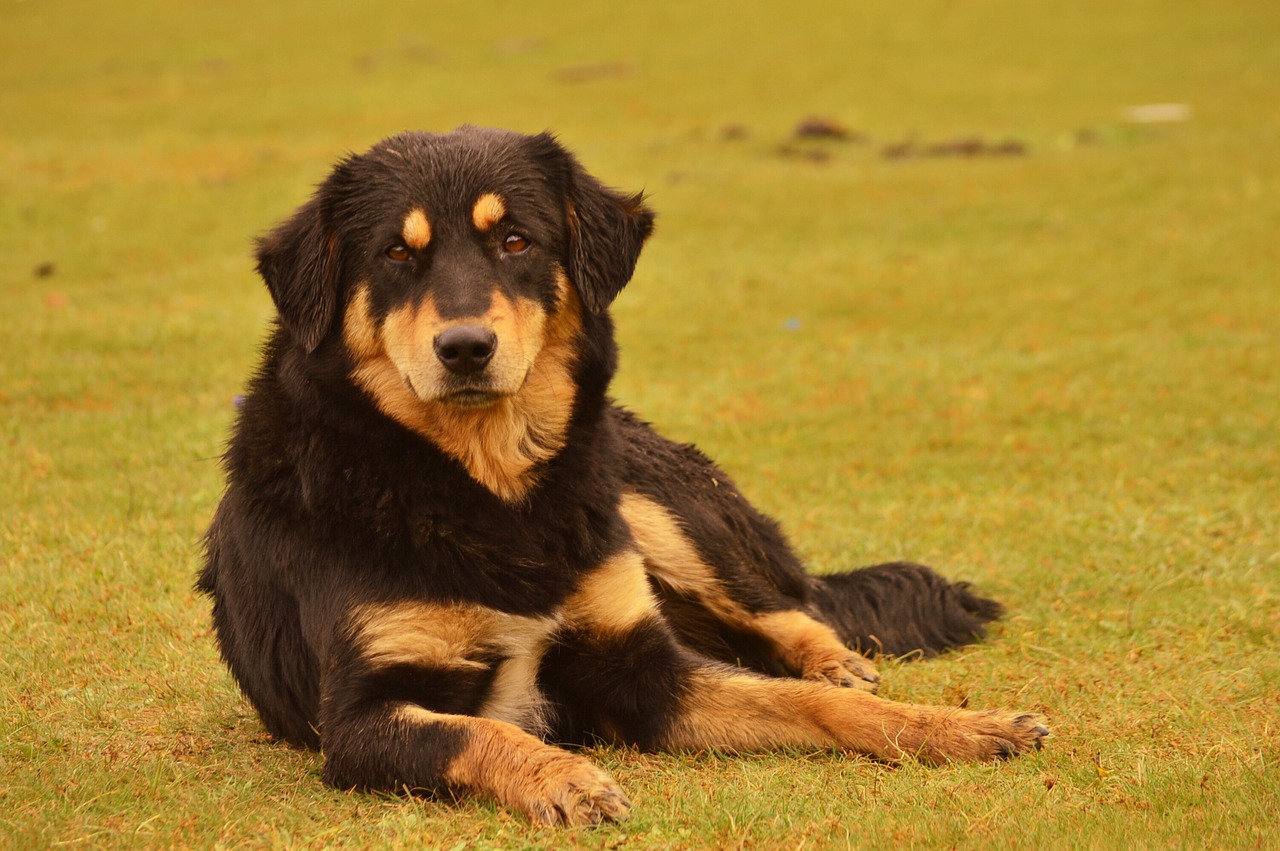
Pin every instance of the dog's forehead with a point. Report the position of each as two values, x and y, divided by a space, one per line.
446 174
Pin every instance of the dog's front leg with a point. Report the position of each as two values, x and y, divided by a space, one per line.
405 748
400 699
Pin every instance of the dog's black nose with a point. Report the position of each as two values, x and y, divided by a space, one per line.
465 349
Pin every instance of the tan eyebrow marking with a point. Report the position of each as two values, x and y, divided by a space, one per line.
416 229
488 211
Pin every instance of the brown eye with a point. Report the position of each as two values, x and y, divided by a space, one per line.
399 254
515 244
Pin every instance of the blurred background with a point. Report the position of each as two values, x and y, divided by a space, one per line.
984 283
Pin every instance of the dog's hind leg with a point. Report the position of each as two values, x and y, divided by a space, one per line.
734 588
725 605
619 672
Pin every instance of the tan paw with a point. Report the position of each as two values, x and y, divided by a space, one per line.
985 736
571 791
846 670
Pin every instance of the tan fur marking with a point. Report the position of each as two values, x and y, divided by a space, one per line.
514 695
742 712
671 556
488 211
452 636
416 229
804 645
615 596
813 650
420 634
359 331
549 785
500 444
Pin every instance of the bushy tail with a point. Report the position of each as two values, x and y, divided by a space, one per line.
903 608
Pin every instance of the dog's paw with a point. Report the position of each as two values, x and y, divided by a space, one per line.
1011 734
571 791
846 670
986 736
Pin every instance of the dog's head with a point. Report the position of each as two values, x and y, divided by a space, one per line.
460 280
457 257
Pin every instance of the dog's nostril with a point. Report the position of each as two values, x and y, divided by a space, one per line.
465 349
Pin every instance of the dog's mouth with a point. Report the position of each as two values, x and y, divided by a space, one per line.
466 397
471 398
470 392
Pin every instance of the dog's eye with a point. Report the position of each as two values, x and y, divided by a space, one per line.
515 244
399 253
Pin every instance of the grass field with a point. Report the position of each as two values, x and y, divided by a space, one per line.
1046 361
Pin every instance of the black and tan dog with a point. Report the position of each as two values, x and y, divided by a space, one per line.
442 546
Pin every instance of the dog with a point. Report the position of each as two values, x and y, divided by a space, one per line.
443 548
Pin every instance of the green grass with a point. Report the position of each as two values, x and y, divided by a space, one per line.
1056 375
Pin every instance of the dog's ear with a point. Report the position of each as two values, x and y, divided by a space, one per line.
299 262
606 229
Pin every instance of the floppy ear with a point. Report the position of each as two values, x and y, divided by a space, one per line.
298 260
607 229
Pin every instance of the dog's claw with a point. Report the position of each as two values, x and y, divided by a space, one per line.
1025 732
850 671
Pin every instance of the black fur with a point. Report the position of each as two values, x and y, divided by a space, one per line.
618 695
335 508
300 265
901 608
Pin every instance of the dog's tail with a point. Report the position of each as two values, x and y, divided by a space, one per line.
901 608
